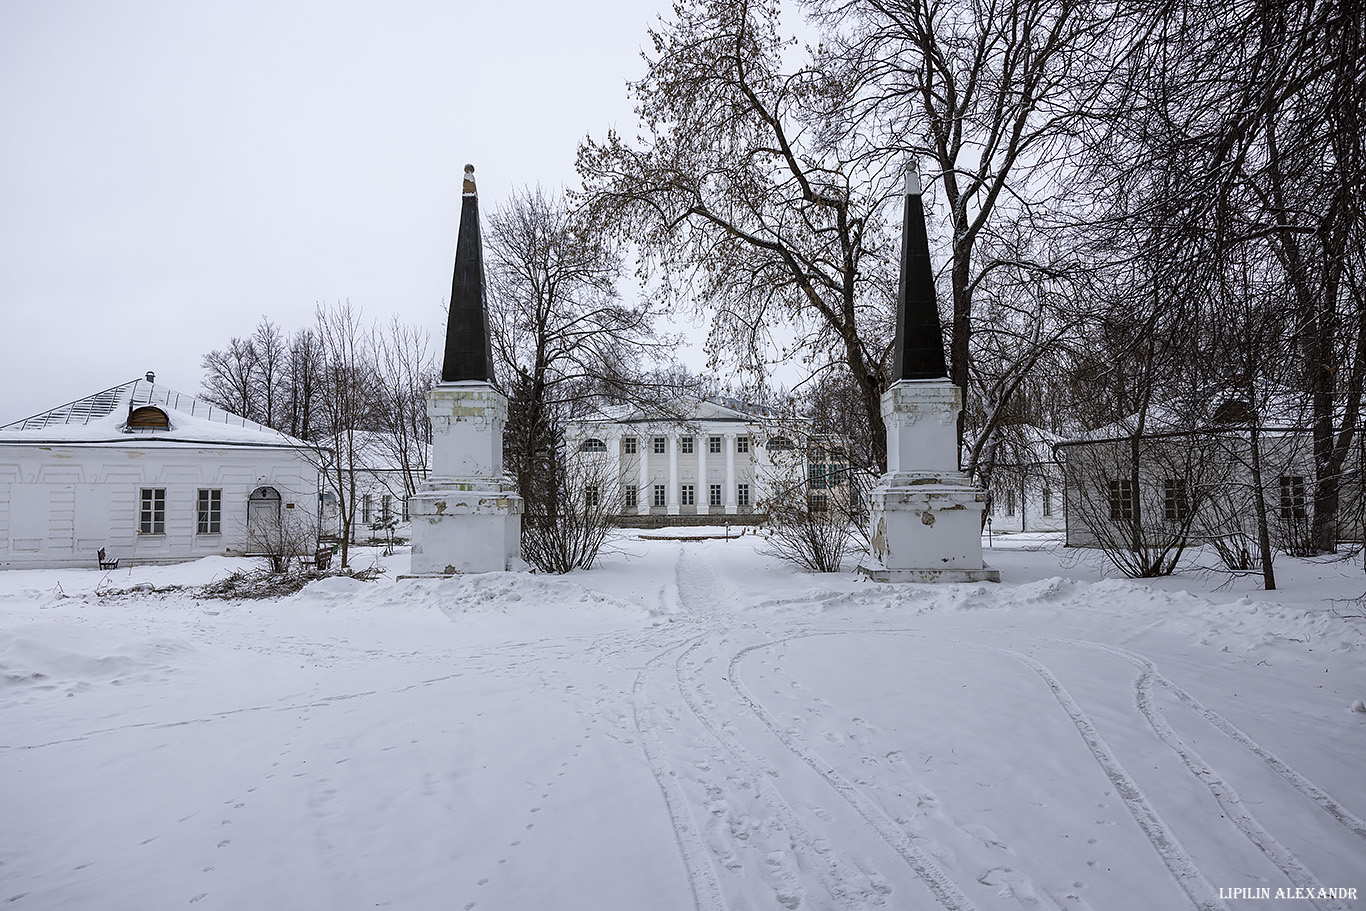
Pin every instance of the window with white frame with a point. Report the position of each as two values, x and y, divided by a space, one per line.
685 445
209 512
659 495
1121 499
629 496
590 496
386 507
714 495
152 511
628 445
658 445
1175 505
592 444
1047 502
367 503
742 444
819 502
713 444
685 495
742 494
1293 502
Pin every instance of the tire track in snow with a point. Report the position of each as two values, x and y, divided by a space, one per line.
1343 816
824 862
692 848
944 889
1235 811
1173 854
1297 780
1228 798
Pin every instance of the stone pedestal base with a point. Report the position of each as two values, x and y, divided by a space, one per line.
940 576
467 518
465 527
927 527
926 515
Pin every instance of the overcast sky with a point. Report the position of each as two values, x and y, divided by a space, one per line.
170 171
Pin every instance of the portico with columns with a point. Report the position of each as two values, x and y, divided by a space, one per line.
709 465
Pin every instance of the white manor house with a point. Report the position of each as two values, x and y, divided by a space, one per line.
714 462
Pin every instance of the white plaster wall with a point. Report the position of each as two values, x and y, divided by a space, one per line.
59 504
1031 517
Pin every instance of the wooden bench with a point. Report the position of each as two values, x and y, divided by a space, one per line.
106 563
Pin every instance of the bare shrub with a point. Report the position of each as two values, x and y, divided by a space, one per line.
263 583
1139 498
565 526
815 540
282 541
1232 532
816 507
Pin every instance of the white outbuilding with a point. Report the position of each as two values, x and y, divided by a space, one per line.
147 474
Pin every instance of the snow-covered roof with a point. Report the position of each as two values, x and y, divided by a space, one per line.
1279 414
104 418
721 408
379 451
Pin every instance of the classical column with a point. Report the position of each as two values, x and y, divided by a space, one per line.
758 452
673 473
613 492
729 445
703 498
645 488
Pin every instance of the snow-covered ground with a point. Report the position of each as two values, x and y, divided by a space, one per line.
689 726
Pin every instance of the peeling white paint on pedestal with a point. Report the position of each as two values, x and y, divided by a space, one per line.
926 514
467 517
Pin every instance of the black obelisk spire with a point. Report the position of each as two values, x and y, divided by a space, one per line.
469 354
919 351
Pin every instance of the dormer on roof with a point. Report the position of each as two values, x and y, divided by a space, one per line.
146 419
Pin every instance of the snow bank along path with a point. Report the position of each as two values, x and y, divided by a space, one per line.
688 727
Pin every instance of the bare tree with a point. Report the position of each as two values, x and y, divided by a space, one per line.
577 501
272 351
303 384
563 339
1270 151
344 403
745 200
404 373
232 378
993 98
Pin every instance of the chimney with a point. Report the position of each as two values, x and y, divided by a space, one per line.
151 377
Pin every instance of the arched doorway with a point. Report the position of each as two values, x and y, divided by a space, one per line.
263 512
